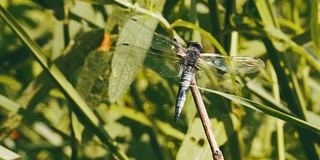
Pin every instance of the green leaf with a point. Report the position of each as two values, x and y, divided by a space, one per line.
80 106
92 80
214 41
8 104
268 110
144 120
195 144
315 30
7 154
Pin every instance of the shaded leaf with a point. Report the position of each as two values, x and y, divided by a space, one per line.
268 110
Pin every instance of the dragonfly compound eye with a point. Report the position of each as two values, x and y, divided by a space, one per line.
195 44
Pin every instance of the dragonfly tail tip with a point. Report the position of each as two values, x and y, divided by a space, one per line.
176 118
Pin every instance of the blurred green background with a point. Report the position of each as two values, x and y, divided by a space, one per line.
55 64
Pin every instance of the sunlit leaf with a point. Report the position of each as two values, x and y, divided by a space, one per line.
195 144
7 154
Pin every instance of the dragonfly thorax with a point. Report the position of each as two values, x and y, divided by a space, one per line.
195 44
192 55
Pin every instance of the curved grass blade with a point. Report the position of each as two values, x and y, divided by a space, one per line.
81 108
268 110
8 154
142 119
279 46
181 23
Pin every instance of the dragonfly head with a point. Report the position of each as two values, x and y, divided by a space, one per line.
195 44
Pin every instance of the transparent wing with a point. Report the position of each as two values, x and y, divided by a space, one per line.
166 64
208 75
236 64
210 78
143 36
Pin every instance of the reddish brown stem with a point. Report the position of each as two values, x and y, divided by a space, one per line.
216 153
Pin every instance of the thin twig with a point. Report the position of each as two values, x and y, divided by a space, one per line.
216 153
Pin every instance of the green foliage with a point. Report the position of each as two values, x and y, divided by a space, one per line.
59 99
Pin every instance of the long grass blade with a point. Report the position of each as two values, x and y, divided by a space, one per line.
81 109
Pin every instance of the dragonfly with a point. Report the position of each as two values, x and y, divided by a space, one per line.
169 58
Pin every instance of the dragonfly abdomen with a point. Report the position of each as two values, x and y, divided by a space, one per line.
183 90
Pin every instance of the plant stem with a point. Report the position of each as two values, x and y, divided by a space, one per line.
216 153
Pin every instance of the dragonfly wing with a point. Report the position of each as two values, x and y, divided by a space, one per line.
142 35
138 44
164 63
235 64
213 80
